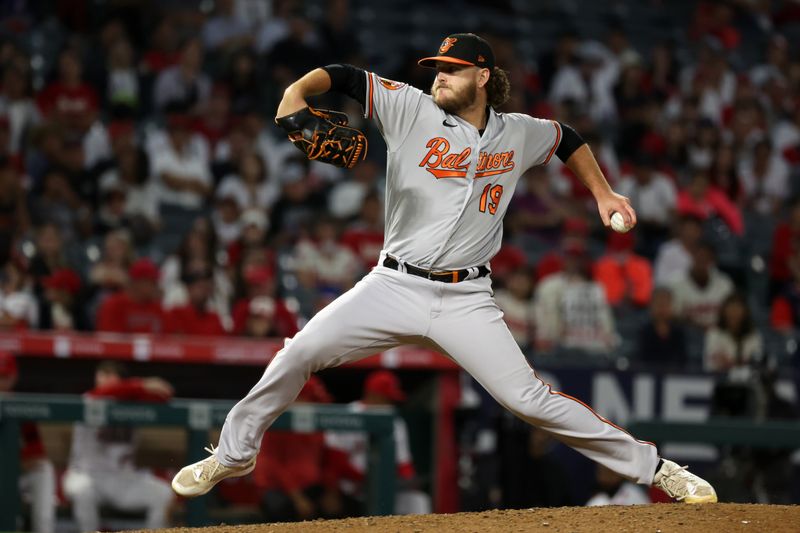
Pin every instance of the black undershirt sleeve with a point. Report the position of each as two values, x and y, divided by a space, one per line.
570 141
349 80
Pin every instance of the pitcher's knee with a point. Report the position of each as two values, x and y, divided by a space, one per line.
305 352
523 403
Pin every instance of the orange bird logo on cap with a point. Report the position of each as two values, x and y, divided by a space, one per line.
447 44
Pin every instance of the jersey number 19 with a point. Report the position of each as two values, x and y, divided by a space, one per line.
490 198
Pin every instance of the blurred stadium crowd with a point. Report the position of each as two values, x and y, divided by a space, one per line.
144 187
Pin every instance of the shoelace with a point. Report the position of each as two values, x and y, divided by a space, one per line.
673 480
203 471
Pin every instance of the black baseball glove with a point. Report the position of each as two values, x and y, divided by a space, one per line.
325 136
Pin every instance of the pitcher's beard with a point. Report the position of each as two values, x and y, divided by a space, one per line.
455 101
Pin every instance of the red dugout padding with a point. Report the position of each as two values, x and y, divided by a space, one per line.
175 349
241 351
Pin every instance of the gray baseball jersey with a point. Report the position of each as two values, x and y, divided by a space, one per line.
447 186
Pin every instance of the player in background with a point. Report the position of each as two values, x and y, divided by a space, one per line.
101 469
381 388
296 472
452 164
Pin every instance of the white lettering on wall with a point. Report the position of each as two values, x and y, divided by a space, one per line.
677 391
644 397
608 398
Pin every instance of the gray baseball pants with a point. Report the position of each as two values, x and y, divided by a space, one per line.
388 308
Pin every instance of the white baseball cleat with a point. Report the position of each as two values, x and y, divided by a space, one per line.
682 485
200 477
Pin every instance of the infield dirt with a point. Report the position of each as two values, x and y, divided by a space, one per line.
664 518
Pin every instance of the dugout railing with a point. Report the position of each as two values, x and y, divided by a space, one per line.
236 351
198 417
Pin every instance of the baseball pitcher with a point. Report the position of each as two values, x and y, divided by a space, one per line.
453 163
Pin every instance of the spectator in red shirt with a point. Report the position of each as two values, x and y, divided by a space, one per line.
260 282
294 470
715 19
364 236
214 123
507 260
785 307
136 309
62 308
575 234
785 242
702 200
69 100
195 318
261 318
37 480
163 51
14 215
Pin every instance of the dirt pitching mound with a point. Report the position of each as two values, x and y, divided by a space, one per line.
714 518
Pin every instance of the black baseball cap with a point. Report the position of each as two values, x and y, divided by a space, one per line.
462 49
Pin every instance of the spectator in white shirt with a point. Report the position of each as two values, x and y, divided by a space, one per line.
182 174
276 27
251 186
710 78
225 218
18 307
778 62
184 84
326 261
225 31
764 180
132 171
590 83
674 256
572 311
346 197
786 133
698 294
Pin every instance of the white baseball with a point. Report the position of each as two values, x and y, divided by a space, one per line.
618 223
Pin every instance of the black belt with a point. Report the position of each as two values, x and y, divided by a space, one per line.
445 276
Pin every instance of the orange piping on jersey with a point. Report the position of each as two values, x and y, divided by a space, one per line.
602 419
493 172
455 276
555 144
440 173
369 112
